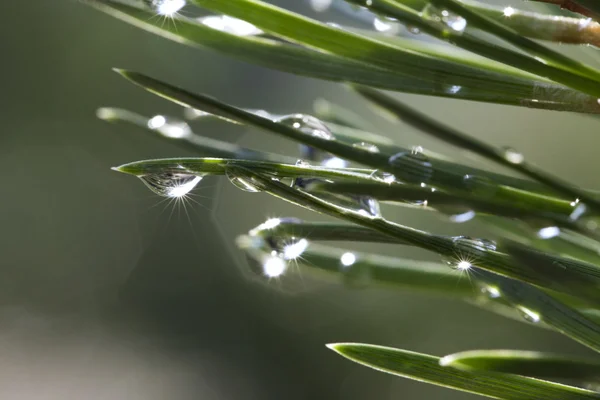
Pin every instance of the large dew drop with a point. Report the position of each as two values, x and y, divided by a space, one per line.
171 184
412 166
167 8
307 124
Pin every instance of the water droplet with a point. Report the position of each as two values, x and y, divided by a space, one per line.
453 89
548 232
467 251
294 248
386 25
578 212
347 259
171 184
334 162
320 5
324 158
193 114
355 274
307 124
412 166
371 148
234 26
167 8
385 177
463 217
169 127
480 185
490 292
529 315
509 11
368 206
450 22
413 29
243 184
513 156
274 266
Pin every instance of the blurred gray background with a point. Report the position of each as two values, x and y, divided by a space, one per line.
105 293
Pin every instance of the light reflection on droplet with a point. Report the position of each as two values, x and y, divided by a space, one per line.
508 11
334 162
548 232
348 259
513 156
320 5
157 121
386 26
274 266
171 184
167 8
578 212
295 249
234 26
529 315
168 127
463 217
242 183
371 148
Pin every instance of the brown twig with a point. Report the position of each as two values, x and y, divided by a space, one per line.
572 6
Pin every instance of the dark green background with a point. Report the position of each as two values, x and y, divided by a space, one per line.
105 294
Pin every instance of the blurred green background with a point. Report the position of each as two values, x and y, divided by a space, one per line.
105 293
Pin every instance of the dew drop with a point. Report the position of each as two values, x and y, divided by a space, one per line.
347 259
513 156
371 148
412 166
466 251
368 206
170 184
529 315
449 21
307 124
194 114
548 232
167 8
227 24
386 25
294 248
169 127
274 266
508 11
382 176
243 184
463 217
320 5
413 29
490 292
323 158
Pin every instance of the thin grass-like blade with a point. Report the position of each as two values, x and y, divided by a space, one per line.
506 157
426 368
528 363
